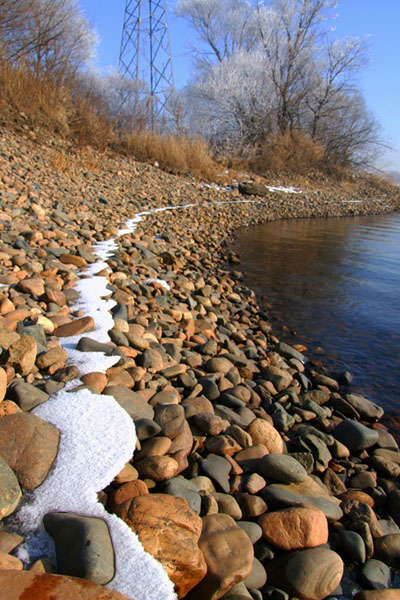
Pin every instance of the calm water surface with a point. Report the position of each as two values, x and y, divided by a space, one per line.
336 283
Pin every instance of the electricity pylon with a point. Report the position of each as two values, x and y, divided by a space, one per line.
145 54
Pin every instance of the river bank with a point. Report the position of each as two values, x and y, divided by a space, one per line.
252 464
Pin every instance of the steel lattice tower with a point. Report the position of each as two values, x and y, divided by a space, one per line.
145 53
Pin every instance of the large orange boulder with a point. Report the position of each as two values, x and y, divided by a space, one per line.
295 528
21 585
170 532
229 555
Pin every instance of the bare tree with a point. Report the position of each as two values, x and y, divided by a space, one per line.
50 36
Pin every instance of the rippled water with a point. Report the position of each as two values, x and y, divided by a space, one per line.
336 282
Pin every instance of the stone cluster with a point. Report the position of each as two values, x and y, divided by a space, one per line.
257 474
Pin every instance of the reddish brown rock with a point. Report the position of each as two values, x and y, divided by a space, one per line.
229 556
29 446
3 383
121 497
51 357
262 432
22 354
98 381
24 585
8 562
295 528
76 327
73 259
8 407
169 531
32 285
57 297
9 541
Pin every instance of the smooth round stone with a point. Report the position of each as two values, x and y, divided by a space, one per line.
355 436
253 530
252 506
282 468
218 364
366 408
375 574
294 528
146 428
387 548
388 526
353 546
363 480
170 418
257 577
157 468
307 574
262 432
228 505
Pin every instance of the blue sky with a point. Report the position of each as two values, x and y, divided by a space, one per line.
379 81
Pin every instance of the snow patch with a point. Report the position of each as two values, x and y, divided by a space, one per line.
97 438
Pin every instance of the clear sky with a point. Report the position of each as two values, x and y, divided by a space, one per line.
379 82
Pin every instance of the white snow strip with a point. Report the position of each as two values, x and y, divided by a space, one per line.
286 190
97 438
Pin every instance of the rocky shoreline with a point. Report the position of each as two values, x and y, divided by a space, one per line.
256 474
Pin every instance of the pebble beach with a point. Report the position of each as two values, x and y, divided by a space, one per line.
157 440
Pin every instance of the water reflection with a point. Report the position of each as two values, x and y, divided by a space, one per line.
336 282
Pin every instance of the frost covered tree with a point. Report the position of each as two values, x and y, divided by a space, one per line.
274 67
223 27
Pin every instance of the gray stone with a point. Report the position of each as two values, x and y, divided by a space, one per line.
355 436
282 468
83 546
218 469
253 530
10 492
86 344
366 408
27 396
353 546
318 396
375 575
184 488
257 577
146 428
135 406
288 352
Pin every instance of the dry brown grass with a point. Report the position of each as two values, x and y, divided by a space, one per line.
174 154
291 152
39 104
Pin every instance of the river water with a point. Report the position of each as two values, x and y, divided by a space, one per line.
334 286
